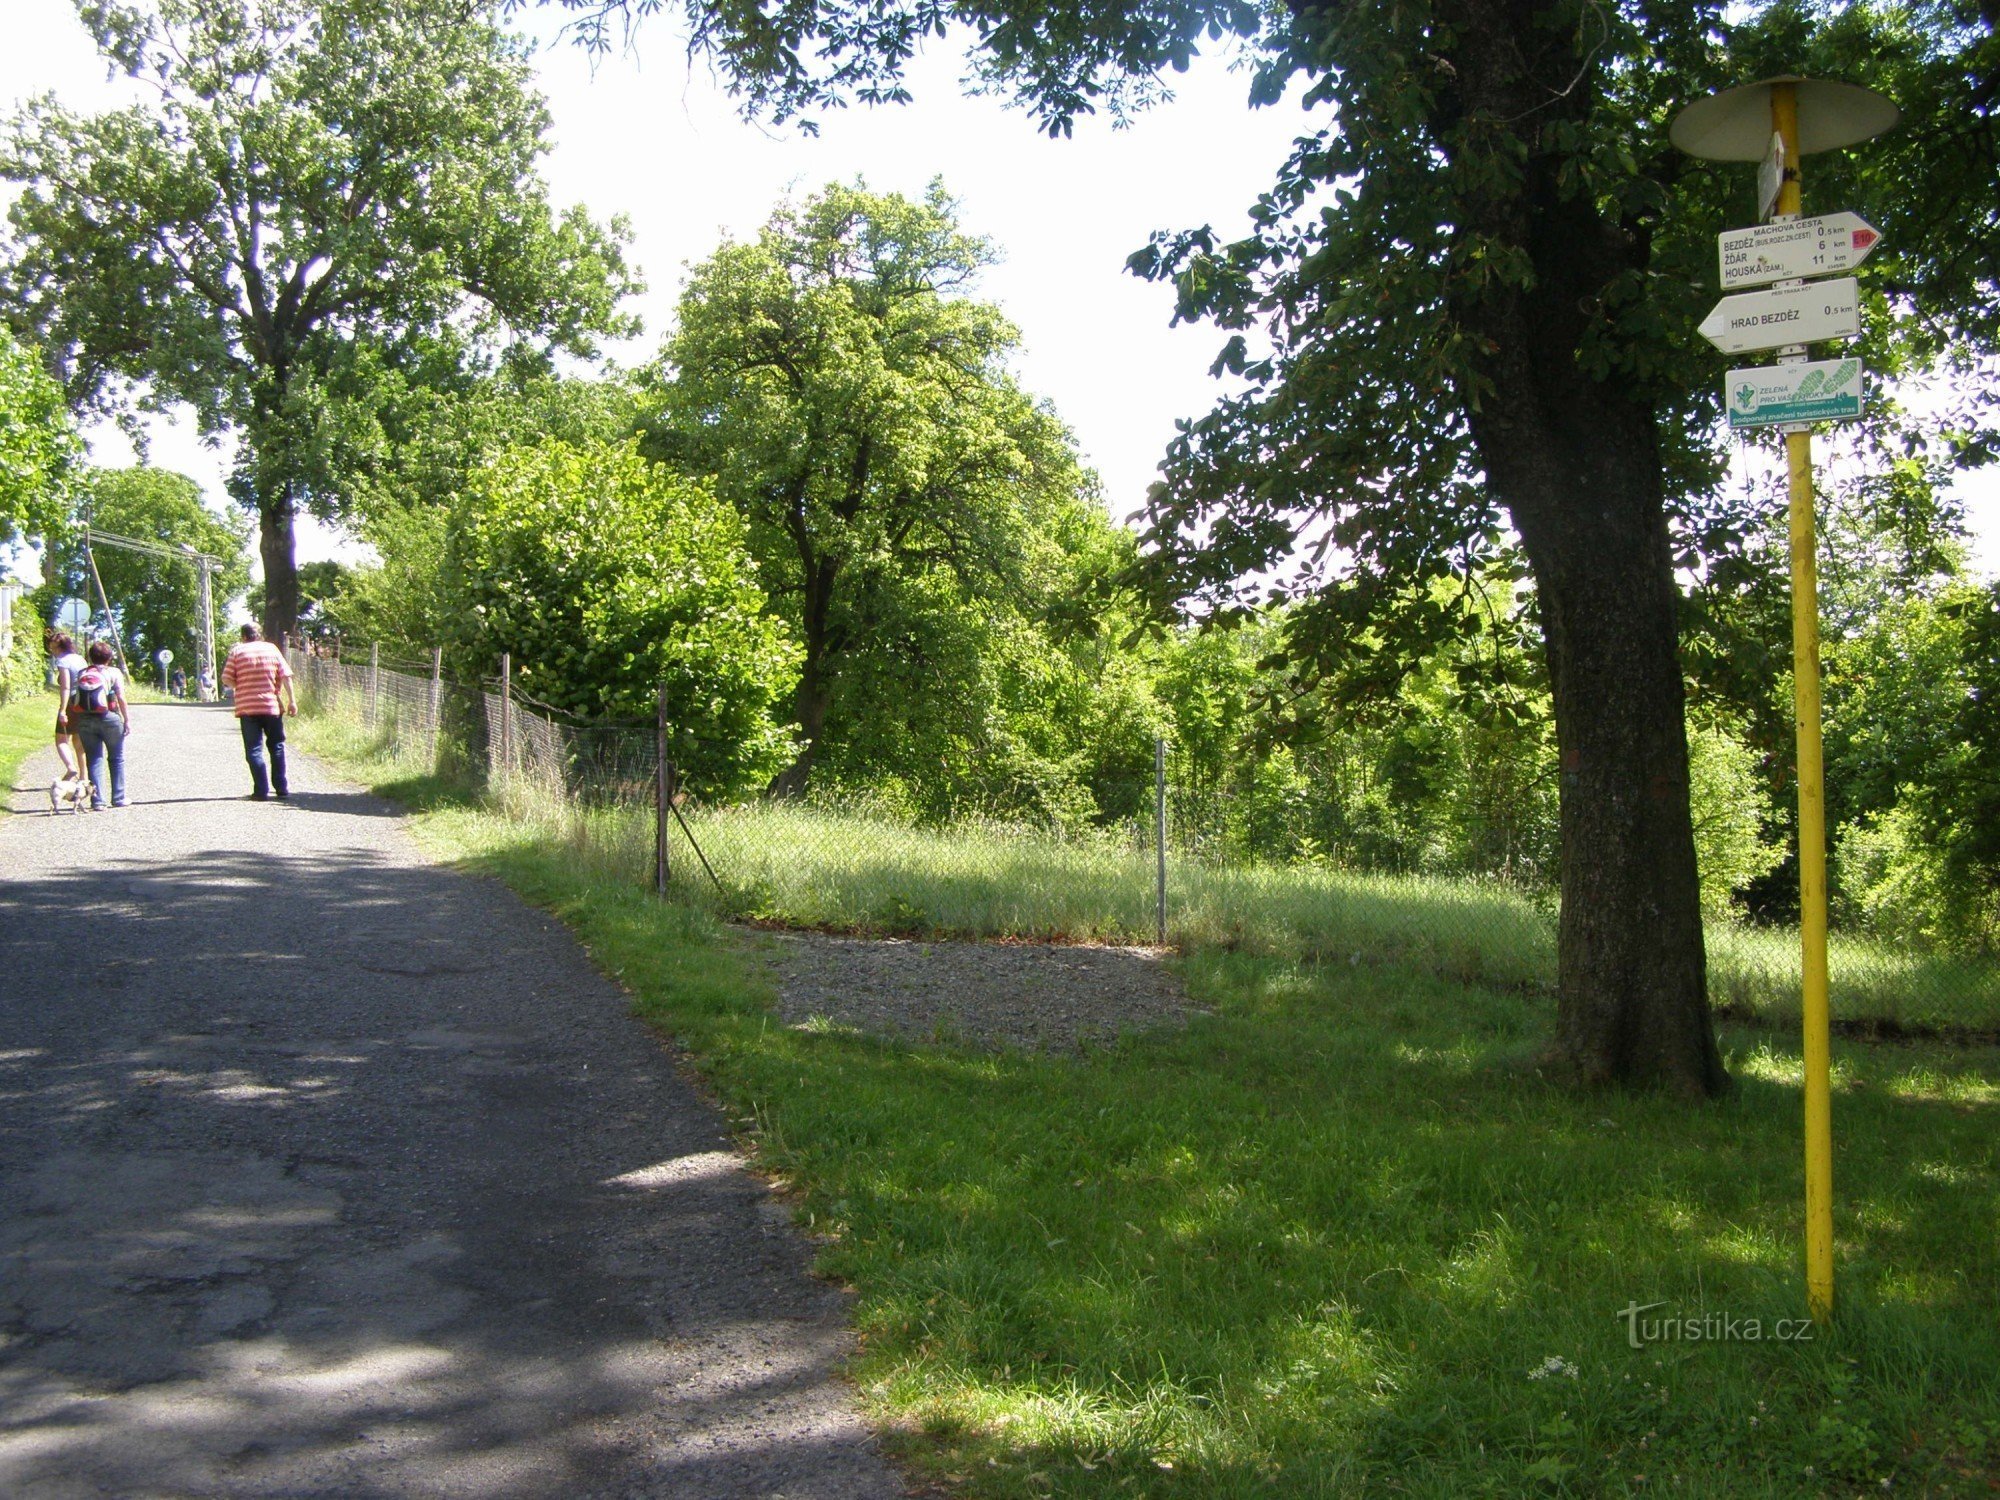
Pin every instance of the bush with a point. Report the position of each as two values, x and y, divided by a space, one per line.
24 669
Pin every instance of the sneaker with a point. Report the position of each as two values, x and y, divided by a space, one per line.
258 797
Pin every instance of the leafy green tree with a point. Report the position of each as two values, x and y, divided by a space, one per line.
320 583
607 578
909 505
329 202
157 600
439 436
39 448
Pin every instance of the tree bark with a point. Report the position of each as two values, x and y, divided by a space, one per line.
814 693
277 545
1574 457
809 705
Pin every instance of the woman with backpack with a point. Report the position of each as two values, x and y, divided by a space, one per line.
100 718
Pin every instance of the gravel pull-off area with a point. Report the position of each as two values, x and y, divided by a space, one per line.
1033 996
327 1172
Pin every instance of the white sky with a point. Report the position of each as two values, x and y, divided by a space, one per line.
641 136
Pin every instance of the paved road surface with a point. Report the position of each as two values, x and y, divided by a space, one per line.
328 1172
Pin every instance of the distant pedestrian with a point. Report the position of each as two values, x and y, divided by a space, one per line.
257 674
206 683
65 662
178 683
100 718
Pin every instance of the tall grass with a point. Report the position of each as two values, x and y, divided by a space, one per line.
859 871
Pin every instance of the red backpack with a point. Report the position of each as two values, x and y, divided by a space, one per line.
91 692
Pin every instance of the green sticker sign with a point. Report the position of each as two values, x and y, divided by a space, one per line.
1826 390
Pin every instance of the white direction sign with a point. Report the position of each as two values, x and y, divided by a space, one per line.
1828 245
1824 390
1785 315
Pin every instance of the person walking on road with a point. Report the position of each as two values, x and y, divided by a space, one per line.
100 718
257 674
66 661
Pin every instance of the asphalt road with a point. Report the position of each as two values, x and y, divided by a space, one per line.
325 1171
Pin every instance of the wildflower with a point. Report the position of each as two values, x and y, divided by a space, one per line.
1554 1365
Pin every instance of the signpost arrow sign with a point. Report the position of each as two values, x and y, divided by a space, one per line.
1826 390
1785 315
1828 245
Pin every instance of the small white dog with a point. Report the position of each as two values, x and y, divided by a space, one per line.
69 792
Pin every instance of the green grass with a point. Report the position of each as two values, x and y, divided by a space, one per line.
26 725
1339 1238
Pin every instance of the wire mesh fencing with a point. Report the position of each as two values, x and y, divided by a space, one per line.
1164 859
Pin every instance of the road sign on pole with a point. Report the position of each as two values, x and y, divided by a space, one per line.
1826 390
1808 115
1783 315
1827 245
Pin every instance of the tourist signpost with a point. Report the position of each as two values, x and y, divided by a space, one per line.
1826 246
1799 313
1777 123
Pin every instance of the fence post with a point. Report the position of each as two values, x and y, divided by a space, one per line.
506 712
663 798
1160 826
374 684
437 700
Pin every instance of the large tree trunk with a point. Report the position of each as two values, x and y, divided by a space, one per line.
276 543
1574 456
1632 990
809 704
815 690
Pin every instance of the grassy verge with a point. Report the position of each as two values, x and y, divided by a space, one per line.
1339 1239
26 725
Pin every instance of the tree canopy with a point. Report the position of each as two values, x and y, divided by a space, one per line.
608 580
323 203
905 498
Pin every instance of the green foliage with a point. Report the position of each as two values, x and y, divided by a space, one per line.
922 524
157 600
608 579
1732 816
24 669
39 448
1914 740
441 437
329 202
320 583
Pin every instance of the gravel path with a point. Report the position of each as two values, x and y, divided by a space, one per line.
1034 996
328 1172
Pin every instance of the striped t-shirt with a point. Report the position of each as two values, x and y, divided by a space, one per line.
253 672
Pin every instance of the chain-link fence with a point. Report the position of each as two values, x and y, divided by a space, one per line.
1170 864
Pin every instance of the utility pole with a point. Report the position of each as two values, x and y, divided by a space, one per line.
204 566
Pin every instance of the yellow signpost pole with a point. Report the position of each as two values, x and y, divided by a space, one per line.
1732 126
1812 797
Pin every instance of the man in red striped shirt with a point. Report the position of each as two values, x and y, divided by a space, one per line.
256 672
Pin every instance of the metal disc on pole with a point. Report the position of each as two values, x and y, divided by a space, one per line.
1735 124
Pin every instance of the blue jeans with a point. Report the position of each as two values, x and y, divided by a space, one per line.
260 730
103 740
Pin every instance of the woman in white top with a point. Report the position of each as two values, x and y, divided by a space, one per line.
100 718
67 664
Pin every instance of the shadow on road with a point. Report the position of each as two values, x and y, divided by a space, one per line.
330 1174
